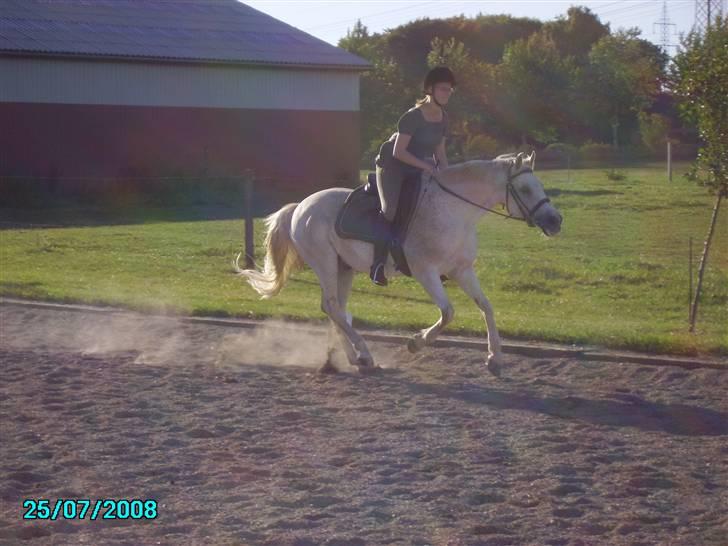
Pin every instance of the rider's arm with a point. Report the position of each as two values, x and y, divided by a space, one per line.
401 153
441 155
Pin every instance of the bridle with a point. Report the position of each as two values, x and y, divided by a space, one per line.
510 190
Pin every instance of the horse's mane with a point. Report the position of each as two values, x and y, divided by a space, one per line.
512 155
473 169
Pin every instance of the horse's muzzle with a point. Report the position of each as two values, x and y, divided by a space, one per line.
550 223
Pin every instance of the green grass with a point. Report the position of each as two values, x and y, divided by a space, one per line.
616 277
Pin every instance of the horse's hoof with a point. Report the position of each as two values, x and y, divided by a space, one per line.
494 367
364 362
328 368
368 370
414 344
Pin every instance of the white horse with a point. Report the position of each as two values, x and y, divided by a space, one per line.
441 241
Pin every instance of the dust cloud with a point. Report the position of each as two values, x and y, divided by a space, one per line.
160 340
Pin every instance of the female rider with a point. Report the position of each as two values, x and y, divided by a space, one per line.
417 146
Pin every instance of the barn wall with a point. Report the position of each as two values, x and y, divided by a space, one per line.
64 81
296 151
298 129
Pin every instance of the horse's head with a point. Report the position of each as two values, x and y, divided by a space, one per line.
525 197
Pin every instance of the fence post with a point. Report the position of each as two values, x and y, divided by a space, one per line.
669 161
690 282
249 239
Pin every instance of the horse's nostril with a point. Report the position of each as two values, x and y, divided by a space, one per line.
555 222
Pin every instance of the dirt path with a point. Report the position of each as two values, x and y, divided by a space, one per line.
240 442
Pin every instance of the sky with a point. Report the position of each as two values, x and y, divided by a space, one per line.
329 20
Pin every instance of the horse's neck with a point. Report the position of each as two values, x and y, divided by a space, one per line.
482 182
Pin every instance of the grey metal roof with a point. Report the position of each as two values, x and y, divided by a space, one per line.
171 30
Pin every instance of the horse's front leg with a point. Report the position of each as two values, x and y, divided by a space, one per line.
431 282
468 281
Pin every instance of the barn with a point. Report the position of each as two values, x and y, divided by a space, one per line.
99 90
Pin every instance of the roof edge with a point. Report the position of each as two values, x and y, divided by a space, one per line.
182 60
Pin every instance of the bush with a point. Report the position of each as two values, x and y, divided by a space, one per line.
480 147
640 152
654 129
559 152
684 151
598 152
613 174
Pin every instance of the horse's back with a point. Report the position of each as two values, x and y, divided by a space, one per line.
314 225
323 205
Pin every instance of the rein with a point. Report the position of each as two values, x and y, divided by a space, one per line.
510 189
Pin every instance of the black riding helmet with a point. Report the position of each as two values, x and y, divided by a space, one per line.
440 74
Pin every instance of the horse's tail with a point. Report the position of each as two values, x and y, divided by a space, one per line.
281 257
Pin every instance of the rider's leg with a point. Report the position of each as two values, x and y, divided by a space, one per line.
381 251
389 183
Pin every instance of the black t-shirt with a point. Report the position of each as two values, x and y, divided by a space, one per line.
425 137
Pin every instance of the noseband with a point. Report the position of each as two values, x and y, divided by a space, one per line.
510 190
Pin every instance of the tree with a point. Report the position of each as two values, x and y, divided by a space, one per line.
485 36
700 80
654 129
575 34
357 40
537 82
623 76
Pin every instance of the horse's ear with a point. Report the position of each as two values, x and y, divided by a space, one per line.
532 159
518 161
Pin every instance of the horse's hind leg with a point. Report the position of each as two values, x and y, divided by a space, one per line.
328 274
335 338
332 339
431 282
468 281
344 281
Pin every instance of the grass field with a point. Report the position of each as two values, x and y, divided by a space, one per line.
616 277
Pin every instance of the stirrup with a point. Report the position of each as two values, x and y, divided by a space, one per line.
377 275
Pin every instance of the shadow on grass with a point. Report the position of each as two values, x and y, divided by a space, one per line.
555 192
25 289
389 295
60 217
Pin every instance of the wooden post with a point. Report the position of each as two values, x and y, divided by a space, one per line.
690 281
249 239
669 161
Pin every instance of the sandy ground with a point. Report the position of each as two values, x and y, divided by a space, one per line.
241 442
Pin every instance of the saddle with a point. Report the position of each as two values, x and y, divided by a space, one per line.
359 217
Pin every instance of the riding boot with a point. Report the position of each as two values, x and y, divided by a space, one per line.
381 251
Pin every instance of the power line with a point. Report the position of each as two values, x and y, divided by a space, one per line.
616 12
624 8
607 5
335 24
630 17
